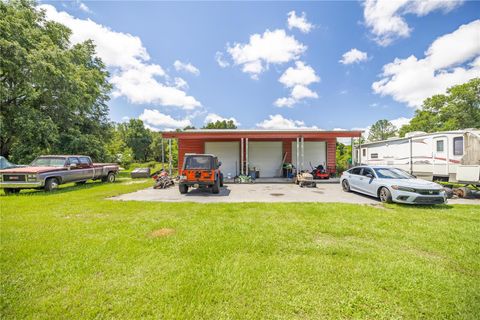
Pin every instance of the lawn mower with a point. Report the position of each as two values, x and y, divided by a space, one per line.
305 179
319 172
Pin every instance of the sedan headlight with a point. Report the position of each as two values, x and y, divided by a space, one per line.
401 188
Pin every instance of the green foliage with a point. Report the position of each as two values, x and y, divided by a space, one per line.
343 157
458 109
382 130
52 95
224 124
138 138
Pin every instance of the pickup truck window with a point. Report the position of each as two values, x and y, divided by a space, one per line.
48 162
84 161
72 160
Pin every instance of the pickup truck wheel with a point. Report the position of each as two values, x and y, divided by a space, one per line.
216 187
183 188
9 191
110 178
51 184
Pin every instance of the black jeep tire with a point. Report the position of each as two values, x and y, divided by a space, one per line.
183 188
221 180
216 187
345 186
51 184
385 195
9 191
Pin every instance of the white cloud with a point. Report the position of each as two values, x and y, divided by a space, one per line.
271 47
127 60
82 6
297 78
154 119
353 56
451 59
186 67
212 117
279 122
221 60
385 18
299 22
399 122
180 83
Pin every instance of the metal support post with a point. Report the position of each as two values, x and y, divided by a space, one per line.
163 156
241 156
170 156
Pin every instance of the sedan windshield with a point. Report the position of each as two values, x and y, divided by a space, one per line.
392 173
48 162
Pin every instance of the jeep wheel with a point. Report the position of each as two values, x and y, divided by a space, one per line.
183 188
221 180
216 187
9 191
51 184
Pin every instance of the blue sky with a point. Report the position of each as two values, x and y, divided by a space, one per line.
140 42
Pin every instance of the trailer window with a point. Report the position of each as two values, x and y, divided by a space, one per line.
374 156
439 145
364 152
458 146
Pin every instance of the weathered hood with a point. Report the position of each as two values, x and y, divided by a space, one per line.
31 170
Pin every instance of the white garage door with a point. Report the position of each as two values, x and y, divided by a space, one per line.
266 157
228 153
315 153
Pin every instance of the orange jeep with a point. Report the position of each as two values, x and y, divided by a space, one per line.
200 170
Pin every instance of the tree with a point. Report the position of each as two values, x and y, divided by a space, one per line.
138 138
52 95
458 109
343 157
224 124
382 130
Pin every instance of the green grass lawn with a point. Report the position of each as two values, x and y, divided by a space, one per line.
72 254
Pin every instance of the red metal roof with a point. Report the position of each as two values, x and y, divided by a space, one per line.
260 134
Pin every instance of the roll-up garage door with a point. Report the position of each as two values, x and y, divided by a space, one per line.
315 153
266 157
228 153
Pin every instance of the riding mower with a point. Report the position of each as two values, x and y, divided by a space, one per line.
305 179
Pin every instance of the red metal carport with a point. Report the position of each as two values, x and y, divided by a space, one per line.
194 141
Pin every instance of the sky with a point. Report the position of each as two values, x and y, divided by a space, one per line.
332 65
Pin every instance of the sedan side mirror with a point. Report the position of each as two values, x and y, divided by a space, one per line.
369 175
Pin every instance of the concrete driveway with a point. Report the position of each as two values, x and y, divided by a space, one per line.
259 193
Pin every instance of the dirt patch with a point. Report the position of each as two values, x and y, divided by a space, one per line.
379 206
164 232
277 194
320 192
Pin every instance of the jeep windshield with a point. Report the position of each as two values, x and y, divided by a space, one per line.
198 163
48 162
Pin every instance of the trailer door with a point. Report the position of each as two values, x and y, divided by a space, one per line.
440 157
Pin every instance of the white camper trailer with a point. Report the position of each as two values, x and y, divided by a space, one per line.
452 156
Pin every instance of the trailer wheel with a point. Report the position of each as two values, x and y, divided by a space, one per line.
9 191
183 188
51 184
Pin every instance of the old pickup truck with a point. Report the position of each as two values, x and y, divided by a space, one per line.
48 172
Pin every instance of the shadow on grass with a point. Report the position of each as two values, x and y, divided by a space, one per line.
62 189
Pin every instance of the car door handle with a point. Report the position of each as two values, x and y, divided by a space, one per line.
361 178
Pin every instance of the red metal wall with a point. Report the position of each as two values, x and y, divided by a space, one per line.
189 146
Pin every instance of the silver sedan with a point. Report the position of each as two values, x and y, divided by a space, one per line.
392 185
